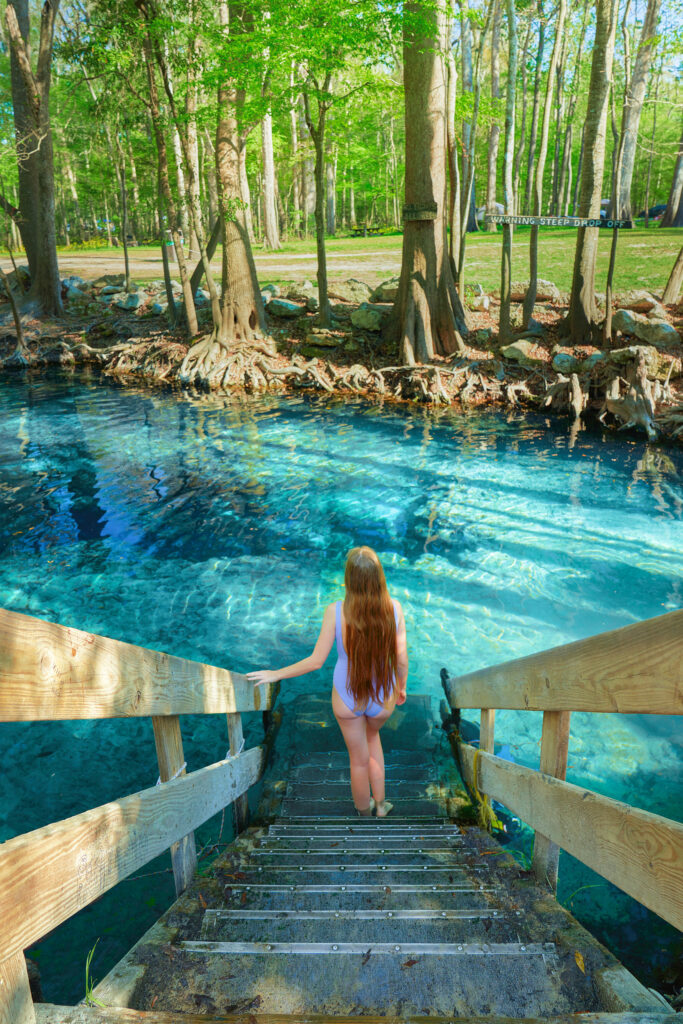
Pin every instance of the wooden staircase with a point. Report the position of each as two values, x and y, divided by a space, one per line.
314 914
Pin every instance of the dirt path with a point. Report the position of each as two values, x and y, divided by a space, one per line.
373 267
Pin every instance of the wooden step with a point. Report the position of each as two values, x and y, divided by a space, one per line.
47 1013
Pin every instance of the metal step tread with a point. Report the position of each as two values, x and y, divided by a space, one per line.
484 949
418 914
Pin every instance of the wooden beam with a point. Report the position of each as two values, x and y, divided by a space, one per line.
486 729
49 1014
554 752
16 1005
634 670
640 852
169 744
48 671
48 875
240 807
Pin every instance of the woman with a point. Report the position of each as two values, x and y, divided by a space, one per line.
370 675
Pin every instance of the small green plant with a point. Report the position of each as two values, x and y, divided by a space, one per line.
89 984
570 899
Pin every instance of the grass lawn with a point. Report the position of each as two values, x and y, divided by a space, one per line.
644 258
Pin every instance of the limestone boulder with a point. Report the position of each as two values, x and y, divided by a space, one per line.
659 333
368 317
653 332
284 309
525 353
656 365
352 290
386 291
130 300
272 290
159 307
118 280
565 362
546 291
638 301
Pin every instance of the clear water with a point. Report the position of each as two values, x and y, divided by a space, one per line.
216 528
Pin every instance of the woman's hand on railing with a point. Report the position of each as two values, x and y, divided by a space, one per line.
263 676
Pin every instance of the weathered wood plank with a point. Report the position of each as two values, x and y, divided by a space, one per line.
487 729
241 805
48 875
634 670
16 1005
48 671
169 744
640 852
554 752
49 1014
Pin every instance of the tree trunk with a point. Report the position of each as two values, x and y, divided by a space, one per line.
579 168
271 230
296 176
559 113
494 130
522 127
165 186
651 154
428 316
673 215
124 209
536 108
331 191
530 297
454 225
673 285
633 105
210 173
31 102
317 133
581 322
506 262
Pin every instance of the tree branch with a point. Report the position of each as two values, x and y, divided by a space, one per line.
48 17
9 209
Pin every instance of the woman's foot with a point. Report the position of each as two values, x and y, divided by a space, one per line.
366 812
383 808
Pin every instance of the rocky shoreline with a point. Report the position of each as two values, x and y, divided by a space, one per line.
635 385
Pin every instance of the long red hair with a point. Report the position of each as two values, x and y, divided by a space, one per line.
370 640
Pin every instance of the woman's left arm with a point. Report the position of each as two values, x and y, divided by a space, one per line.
313 662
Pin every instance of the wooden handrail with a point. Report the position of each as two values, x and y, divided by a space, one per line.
50 874
51 672
634 670
640 852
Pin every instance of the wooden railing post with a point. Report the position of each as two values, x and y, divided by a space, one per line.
486 729
169 746
554 750
241 804
16 1004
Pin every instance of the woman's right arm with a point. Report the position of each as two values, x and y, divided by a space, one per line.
401 657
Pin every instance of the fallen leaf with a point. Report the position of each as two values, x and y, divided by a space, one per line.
580 962
408 963
151 1005
203 901
240 874
334 844
366 957
487 924
387 888
243 898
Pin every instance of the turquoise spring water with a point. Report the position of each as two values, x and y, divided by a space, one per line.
216 528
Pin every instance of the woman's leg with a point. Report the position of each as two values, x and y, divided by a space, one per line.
354 733
376 759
